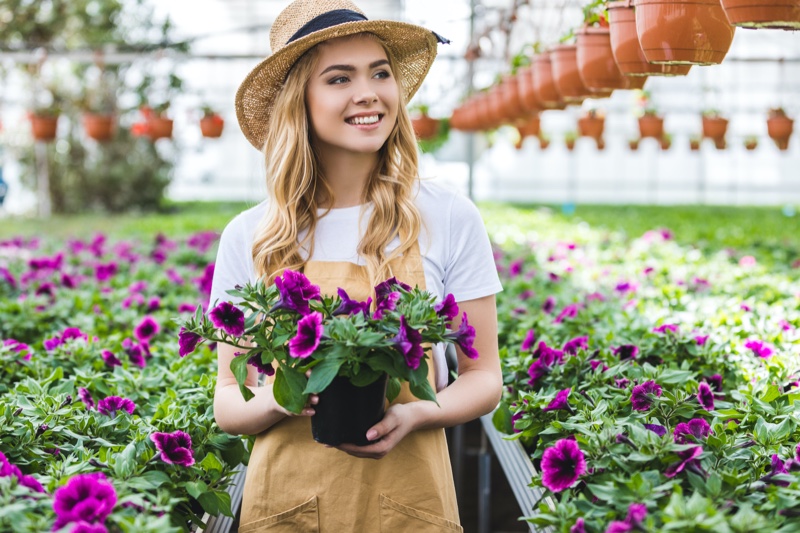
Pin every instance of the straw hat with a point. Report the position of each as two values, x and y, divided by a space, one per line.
306 23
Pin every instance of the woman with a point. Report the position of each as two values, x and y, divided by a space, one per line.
345 204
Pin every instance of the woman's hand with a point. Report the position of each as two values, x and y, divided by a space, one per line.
396 424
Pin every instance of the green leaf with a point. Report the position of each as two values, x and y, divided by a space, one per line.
288 389
126 461
322 375
423 391
501 419
196 488
772 392
216 502
211 462
239 369
393 389
149 480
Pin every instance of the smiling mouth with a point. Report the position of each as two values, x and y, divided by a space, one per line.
365 121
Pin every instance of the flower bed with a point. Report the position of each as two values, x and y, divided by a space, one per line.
654 384
105 427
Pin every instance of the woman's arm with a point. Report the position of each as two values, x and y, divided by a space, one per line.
476 391
232 413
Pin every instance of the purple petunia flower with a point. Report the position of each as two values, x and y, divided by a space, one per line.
86 397
621 383
578 527
464 337
187 342
175 447
595 363
666 327
642 395
383 289
447 308
657 429
515 268
715 381
186 308
229 318
387 303
110 405
295 291
545 359
705 397
105 272
146 329
562 465
86 527
548 305
626 351
110 359
20 347
560 402
136 352
7 277
759 348
350 306
701 339
637 512
696 428
73 333
779 467
409 342
309 333
528 341
578 343
52 343
570 311
9 470
86 498
688 459
204 282
262 368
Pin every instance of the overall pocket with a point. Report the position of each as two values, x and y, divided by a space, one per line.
301 519
397 517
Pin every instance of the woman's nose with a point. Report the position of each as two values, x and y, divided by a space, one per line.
365 95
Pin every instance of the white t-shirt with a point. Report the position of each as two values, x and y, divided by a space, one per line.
456 253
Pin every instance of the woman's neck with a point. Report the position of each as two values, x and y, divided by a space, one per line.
347 175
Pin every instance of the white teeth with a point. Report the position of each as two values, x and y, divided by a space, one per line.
364 120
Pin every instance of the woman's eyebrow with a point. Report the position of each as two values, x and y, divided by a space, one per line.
351 68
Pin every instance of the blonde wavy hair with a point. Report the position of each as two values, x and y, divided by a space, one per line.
294 179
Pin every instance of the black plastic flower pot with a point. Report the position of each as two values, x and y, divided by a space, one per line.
345 412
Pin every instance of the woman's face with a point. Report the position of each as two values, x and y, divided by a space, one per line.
352 96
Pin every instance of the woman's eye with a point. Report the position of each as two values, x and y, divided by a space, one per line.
383 75
340 79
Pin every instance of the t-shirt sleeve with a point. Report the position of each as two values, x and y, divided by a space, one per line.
234 262
470 270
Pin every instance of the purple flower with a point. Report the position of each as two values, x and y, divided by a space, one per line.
621 383
20 347
187 342
175 447
546 358
409 342
594 363
110 359
86 498
7 277
136 353
110 405
515 268
701 339
30 482
666 327
73 333
705 397
86 527
464 337
548 305
759 348
715 381
382 290
262 368
626 351
642 395
186 308
578 527
105 272
688 459
561 401
528 341
657 429
447 308
562 465
349 306
154 304
229 318
86 397
9 470
696 428
779 467
295 291
309 333
785 325
578 343
570 311
52 344
204 282
146 329
637 512
619 527
387 303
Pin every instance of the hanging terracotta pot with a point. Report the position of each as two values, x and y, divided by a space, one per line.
635 82
44 127
666 142
99 127
633 144
568 81
683 32
425 127
651 126
527 91
596 64
544 142
694 144
715 127
159 127
496 109
750 144
512 103
211 126
543 83
591 126
569 142
779 128
626 48
531 127
775 14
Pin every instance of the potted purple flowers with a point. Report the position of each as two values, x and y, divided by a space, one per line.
356 348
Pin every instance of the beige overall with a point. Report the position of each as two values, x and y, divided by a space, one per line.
297 485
